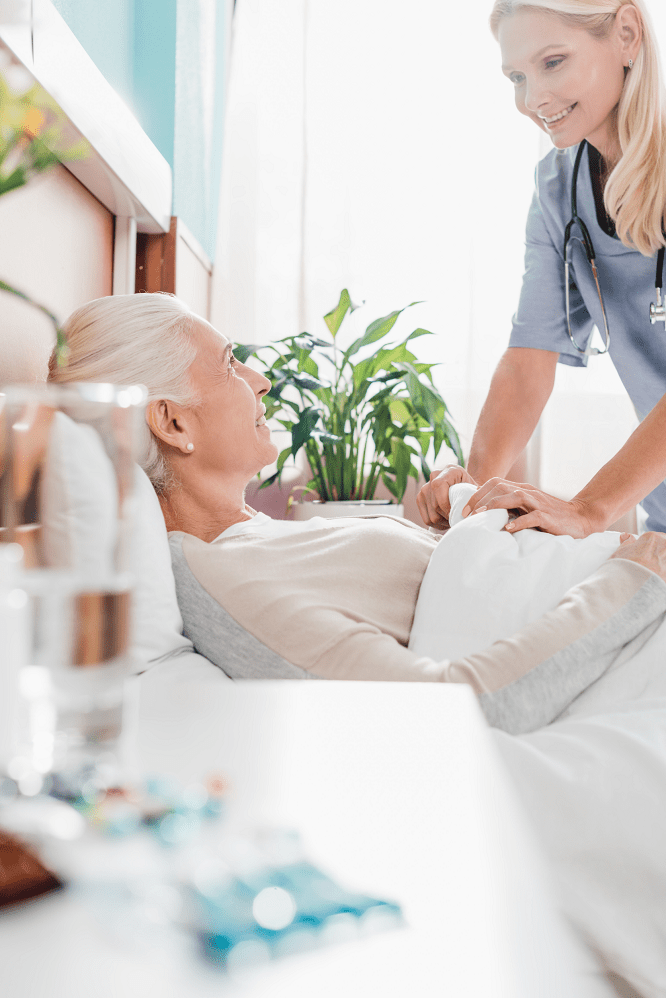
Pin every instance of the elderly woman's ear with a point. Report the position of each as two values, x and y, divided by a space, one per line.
170 423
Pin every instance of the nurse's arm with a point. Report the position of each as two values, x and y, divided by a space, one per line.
632 474
626 479
521 386
519 390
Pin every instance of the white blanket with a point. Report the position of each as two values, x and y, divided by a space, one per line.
593 782
483 584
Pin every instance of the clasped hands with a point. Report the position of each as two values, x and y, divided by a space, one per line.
533 507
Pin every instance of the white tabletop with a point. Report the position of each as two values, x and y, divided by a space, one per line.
397 792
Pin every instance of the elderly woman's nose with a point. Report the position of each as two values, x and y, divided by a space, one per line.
257 381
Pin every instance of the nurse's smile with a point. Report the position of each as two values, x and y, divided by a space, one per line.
552 121
566 80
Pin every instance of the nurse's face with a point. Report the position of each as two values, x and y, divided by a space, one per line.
567 81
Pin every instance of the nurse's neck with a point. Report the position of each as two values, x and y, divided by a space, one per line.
608 146
608 162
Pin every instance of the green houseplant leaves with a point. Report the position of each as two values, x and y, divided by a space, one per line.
363 414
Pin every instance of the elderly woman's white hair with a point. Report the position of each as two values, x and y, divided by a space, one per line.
128 340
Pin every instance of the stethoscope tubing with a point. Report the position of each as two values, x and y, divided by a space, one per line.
657 312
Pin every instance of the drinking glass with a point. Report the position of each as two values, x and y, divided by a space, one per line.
66 487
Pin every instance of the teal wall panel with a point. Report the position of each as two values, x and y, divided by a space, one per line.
105 28
200 76
155 71
222 45
166 59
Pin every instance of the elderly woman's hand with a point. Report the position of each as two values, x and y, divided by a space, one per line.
539 509
648 550
433 498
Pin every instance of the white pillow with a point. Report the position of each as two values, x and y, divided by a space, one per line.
78 501
77 512
158 625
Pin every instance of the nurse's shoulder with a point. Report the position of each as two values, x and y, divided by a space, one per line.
552 177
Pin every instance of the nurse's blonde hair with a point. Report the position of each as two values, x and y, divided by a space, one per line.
142 339
635 193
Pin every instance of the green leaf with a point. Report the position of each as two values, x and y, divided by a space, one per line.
269 481
333 319
309 365
303 381
419 332
15 180
385 358
282 458
401 460
307 342
326 438
362 370
389 376
400 411
452 441
303 428
244 350
271 407
426 400
275 391
392 486
376 330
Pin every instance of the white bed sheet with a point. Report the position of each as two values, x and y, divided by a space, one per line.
594 781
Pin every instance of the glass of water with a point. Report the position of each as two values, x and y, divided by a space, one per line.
66 491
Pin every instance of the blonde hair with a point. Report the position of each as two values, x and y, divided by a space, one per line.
128 340
635 193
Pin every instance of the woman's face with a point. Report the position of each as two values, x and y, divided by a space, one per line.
568 82
230 432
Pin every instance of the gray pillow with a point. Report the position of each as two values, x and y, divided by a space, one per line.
215 634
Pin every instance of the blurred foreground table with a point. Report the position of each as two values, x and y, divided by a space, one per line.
396 790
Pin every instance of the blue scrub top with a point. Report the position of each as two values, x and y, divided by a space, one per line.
626 278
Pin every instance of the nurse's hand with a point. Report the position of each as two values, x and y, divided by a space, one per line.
539 509
433 498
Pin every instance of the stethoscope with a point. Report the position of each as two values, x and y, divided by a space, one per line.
657 309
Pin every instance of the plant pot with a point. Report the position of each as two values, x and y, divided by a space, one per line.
360 507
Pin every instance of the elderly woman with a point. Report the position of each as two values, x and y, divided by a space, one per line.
325 598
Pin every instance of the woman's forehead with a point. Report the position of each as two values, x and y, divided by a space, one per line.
523 35
209 337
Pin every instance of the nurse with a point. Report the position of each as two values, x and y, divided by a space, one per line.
586 72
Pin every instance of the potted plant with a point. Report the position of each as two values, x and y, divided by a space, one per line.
363 412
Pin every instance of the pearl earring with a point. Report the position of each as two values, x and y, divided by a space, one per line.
190 446
631 64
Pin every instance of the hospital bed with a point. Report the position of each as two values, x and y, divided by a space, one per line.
593 784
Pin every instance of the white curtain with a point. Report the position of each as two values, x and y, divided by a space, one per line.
375 146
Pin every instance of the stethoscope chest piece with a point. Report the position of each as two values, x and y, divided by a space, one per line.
658 309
